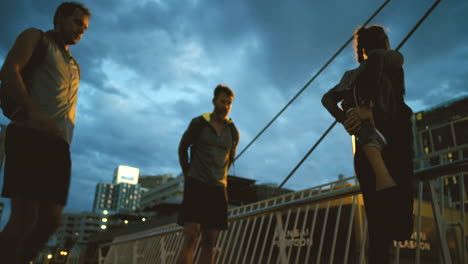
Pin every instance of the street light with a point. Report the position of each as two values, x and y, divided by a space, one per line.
49 256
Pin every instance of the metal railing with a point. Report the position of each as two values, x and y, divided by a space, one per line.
287 229
445 221
323 224
441 157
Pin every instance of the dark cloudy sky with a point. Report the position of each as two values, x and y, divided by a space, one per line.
149 66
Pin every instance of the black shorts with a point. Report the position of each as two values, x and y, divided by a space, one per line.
37 166
204 204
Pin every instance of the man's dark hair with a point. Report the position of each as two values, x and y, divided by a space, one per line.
373 37
221 88
67 8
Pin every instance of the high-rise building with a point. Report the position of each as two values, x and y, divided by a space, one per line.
121 196
117 198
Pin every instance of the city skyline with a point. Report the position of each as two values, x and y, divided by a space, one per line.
149 67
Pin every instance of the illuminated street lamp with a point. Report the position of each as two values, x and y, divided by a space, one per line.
49 256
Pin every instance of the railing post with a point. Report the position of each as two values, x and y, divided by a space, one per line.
461 183
100 258
135 254
397 253
419 219
162 248
281 238
440 224
362 252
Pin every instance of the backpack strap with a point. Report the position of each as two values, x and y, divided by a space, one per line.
198 124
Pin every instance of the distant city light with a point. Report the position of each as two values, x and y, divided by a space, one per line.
63 253
104 220
105 212
49 256
143 219
125 221
103 227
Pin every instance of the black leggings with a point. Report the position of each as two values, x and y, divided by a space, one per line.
389 212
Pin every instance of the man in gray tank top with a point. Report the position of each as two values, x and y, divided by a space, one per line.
37 146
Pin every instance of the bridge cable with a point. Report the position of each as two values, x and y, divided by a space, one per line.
334 123
308 83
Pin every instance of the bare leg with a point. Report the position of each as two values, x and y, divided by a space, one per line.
49 220
383 179
191 234
23 218
208 243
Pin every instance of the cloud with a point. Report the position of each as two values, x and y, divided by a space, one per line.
149 67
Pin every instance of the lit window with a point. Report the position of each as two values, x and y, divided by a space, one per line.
419 116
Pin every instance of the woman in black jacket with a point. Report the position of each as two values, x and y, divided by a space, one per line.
381 85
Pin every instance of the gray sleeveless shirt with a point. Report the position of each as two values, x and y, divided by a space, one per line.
54 87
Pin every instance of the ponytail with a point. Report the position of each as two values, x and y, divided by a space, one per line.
369 38
359 35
